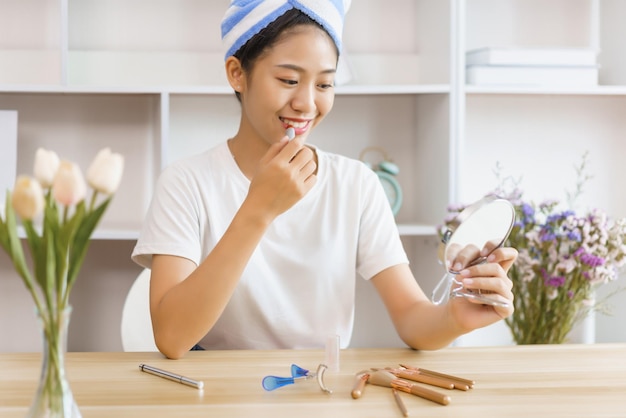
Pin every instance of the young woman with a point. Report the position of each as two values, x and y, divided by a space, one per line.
256 243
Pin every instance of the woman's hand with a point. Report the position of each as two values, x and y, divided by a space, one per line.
492 281
284 175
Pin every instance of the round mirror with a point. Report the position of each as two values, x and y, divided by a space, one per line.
474 234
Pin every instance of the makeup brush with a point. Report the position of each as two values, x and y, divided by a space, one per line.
416 376
400 403
360 379
387 379
459 382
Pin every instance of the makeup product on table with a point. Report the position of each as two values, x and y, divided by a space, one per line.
459 382
332 352
297 374
171 376
360 379
417 376
387 379
400 402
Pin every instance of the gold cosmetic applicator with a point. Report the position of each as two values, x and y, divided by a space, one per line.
360 379
417 376
387 379
459 382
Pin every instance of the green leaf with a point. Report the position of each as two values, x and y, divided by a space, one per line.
78 249
15 246
36 245
64 240
4 233
70 228
4 237
14 250
49 278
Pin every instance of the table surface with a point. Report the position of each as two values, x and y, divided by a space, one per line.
511 381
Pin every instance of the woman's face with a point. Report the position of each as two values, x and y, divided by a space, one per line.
291 84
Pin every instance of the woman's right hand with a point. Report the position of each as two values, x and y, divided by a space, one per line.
284 175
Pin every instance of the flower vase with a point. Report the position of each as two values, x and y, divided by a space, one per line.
54 398
583 331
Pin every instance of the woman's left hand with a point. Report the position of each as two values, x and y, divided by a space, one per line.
492 280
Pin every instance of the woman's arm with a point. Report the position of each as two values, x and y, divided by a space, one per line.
185 301
424 325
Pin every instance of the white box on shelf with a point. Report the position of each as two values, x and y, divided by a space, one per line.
8 156
533 76
559 57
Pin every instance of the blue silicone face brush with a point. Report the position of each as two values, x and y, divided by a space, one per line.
297 374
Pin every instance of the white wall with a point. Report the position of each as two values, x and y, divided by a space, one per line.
97 300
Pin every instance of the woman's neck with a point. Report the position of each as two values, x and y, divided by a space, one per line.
245 154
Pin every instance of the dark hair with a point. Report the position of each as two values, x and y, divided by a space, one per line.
269 36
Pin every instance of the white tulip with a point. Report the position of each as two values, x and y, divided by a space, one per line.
46 166
69 186
28 199
105 172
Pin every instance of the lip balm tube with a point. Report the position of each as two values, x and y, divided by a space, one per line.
291 133
332 352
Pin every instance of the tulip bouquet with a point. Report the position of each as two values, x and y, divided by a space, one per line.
57 224
58 247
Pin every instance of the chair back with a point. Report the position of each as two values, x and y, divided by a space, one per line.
136 328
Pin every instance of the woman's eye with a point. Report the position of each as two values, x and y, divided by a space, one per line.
326 86
289 82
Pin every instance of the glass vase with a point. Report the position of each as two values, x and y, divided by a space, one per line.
54 398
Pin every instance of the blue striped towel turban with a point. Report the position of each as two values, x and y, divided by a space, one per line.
246 18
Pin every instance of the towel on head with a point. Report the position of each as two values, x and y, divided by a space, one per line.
246 18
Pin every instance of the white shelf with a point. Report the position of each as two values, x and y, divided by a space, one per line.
123 71
393 89
417 230
587 91
351 89
115 89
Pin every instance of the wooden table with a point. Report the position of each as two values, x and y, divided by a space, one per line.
512 381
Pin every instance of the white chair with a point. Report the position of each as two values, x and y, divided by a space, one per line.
136 328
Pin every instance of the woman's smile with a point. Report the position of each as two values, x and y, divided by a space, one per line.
300 126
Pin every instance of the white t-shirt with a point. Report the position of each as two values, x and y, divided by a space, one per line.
299 285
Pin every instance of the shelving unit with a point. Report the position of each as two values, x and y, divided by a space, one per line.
539 134
145 77
558 124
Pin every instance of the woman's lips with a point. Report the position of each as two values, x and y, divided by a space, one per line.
299 126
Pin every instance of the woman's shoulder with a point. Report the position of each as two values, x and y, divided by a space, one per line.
343 165
198 162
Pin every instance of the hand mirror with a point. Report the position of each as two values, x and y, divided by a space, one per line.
469 239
